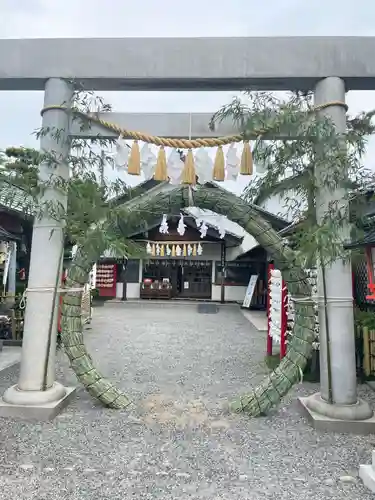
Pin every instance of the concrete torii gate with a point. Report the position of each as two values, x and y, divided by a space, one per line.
328 65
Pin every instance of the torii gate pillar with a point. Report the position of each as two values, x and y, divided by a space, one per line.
37 394
336 406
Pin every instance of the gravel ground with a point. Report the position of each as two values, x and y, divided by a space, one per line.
178 440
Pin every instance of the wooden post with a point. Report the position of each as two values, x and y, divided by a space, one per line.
366 352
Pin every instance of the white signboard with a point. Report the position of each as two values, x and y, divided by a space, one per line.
250 290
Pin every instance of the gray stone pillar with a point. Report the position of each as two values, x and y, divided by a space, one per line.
340 375
339 283
33 388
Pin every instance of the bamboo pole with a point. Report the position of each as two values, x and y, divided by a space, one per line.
366 352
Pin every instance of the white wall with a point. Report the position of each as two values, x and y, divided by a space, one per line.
132 290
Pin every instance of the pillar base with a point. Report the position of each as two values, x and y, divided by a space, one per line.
367 474
353 419
35 405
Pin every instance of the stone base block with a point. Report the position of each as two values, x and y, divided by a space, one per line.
367 474
329 424
41 412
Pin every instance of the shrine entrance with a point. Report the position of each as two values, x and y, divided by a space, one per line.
177 279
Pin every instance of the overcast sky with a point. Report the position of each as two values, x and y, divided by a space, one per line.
19 114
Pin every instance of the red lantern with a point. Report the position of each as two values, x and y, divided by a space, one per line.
370 262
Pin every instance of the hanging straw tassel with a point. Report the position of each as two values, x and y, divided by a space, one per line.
246 160
188 173
134 163
218 173
161 173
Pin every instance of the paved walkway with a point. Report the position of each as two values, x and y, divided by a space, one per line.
178 441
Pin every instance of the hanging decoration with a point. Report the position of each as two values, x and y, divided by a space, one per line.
122 153
221 230
175 171
148 161
233 163
181 226
164 229
174 167
134 164
246 160
161 166
188 173
203 229
161 249
218 173
203 165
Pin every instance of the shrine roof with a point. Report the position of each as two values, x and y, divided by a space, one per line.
15 199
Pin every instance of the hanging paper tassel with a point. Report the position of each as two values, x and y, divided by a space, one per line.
203 166
246 160
188 174
148 248
148 161
134 164
168 250
218 173
199 249
233 163
161 166
122 153
203 229
181 226
174 167
164 229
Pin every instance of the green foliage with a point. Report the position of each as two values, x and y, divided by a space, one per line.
90 197
308 161
364 319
